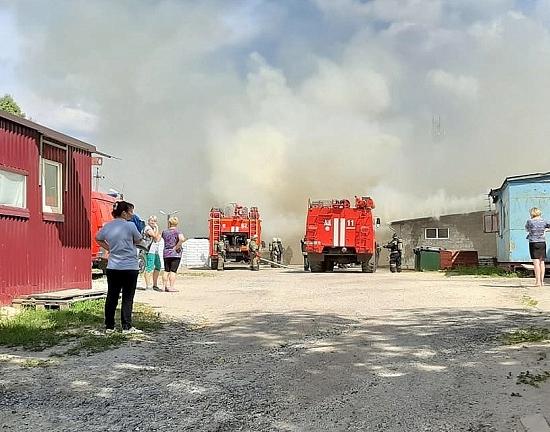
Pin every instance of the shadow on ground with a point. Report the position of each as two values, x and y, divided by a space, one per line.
412 370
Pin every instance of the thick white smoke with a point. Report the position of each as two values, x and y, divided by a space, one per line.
422 104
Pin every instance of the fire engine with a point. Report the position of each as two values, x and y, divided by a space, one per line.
102 205
338 234
236 225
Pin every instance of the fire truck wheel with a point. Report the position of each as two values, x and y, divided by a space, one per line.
213 264
316 267
368 266
329 266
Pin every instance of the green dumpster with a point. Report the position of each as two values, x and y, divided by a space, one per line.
426 259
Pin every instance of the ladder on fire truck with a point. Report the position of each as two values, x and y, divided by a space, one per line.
215 215
253 220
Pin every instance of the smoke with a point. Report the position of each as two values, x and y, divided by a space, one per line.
423 104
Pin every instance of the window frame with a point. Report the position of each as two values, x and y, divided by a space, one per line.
437 237
46 209
9 210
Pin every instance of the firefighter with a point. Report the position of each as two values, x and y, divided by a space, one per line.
275 251
254 253
304 253
221 252
395 245
280 250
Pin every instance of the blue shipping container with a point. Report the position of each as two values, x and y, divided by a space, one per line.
512 201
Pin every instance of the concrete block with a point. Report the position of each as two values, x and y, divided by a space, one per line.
535 423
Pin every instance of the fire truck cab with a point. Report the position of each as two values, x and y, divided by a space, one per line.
102 205
235 226
337 233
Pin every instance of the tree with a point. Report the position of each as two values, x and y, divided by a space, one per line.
9 105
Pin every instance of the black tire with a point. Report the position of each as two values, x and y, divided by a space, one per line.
329 266
316 267
214 263
370 265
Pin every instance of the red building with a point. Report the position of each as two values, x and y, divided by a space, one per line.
45 194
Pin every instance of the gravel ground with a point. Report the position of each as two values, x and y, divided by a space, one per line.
281 350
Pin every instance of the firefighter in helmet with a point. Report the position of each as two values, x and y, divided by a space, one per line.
395 245
254 253
276 251
280 249
273 251
221 252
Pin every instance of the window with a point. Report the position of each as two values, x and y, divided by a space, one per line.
490 223
436 233
52 185
13 189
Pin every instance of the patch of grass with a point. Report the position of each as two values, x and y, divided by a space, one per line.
531 379
36 363
480 271
529 302
37 330
530 334
146 318
97 343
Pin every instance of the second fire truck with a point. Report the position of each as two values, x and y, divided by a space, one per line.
230 233
339 234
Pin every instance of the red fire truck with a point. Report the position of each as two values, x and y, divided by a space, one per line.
337 233
237 225
102 206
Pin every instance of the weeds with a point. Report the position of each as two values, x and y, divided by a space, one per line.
530 334
37 330
36 363
480 271
529 302
534 380
97 343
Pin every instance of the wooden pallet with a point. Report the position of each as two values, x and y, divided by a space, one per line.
56 301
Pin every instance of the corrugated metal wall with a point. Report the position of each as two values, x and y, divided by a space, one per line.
38 255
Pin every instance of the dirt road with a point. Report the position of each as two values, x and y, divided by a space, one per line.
280 350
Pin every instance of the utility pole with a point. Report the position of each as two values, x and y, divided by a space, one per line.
97 161
438 132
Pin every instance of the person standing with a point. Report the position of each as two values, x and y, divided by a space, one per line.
153 263
536 227
395 245
120 238
254 252
304 253
173 239
221 252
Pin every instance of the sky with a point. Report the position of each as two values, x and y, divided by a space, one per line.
424 105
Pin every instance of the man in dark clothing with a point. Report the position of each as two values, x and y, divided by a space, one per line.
395 245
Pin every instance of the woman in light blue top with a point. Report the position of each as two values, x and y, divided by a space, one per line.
120 238
536 227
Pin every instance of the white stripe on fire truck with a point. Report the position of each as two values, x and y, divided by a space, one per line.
342 232
335 232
